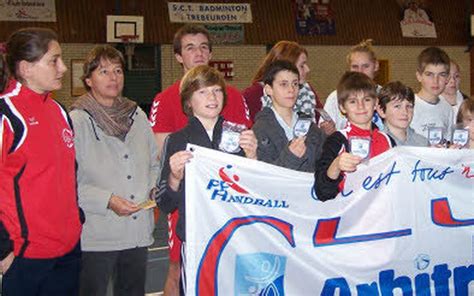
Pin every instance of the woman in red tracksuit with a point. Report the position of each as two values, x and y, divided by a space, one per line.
39 219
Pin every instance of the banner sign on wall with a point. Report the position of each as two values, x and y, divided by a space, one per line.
315 17
28 10
181 12
226 34
403 225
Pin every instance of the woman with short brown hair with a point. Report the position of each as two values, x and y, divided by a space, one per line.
117 167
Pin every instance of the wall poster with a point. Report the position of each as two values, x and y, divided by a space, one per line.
314 17
416 20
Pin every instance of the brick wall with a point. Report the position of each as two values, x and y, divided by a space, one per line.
327 64
71 51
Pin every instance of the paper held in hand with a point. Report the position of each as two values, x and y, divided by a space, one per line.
147 204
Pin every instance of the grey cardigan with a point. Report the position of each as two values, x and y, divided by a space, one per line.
107 166
273 143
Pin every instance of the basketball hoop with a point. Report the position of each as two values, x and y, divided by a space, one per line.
129 44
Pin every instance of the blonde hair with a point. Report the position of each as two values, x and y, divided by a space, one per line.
197 78
364 46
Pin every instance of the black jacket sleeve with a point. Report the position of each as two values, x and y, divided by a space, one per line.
6 245
325 187
167 199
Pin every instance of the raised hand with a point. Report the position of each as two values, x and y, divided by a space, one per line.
248 142
298 147
177 163
345 162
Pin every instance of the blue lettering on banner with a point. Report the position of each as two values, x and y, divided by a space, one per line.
418 173
371 183
428 174
217 183
220 192
346 194
388 283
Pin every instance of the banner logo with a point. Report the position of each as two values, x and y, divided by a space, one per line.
259 274
227 189
422 261
68 138
232 182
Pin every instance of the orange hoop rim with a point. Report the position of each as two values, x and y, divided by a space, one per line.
128 38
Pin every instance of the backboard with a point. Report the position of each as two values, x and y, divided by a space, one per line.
124 25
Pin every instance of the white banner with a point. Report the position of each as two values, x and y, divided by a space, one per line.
28 10
221 13
404 225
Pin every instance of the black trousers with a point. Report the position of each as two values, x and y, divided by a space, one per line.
126 268
44 277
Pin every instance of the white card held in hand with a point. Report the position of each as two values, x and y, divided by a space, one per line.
435 135
231 136
360 146
230 142
460 137
302 127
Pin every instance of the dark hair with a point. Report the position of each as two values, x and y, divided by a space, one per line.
283 50
197 78
95 56
189 29
466 106
28 44
394 91
3 74
352 82
432 56
276 67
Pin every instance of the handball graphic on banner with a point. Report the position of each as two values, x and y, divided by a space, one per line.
267 234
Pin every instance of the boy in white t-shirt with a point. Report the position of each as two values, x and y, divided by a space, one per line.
431 111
